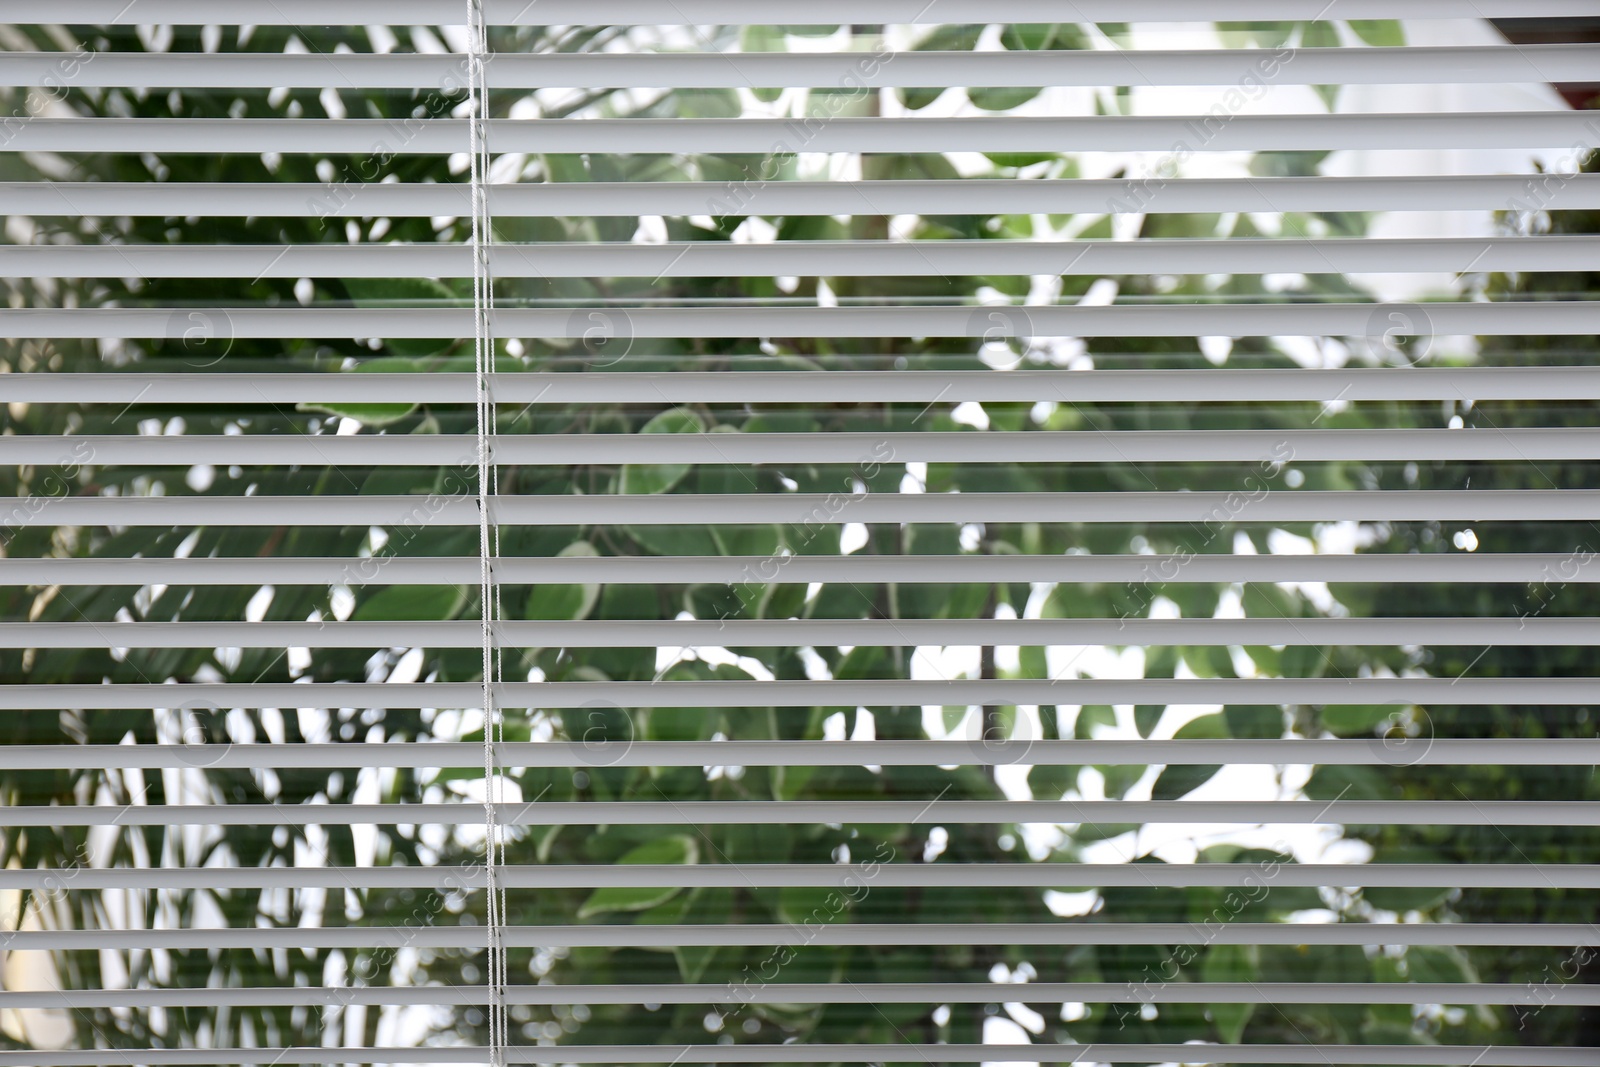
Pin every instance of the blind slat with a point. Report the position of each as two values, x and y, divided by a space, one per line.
1040 446
1449 993
796 693
1227 385
1320 1054
1479 568
1064 932
803 258
1354 752
1300 66
780 813
1249 505
826 876
733 13
1135 133
1560 318
781 633
347 197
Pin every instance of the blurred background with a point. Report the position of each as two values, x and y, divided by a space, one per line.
206 344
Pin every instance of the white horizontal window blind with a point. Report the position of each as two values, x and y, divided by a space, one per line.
909 531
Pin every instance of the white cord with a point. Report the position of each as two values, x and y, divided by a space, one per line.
488 533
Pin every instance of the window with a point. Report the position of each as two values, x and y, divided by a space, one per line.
690 533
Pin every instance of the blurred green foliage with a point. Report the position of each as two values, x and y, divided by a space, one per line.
1131 1021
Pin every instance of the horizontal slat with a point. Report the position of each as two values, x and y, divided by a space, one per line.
351 197
838 935
708 259
1547 62
783 633
1187 567
1222 385
624 752
1342 66
821 875
732 13
796 693
1557 318
1136 133
816 509
1189 1053
965 446
839 812
757 992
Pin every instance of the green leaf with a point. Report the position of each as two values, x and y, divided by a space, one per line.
1354 720
1401 899
1210 661
1231 963
1180 779
1050 782
708 103
693 960
1019 159
762 39
1381 33
917 98
1032 662
676 849
1213 727
667 914
1092 717
1333 783
675 540
1261 34
952 37
1119 777
409 603
1319 35
1161 661
1002 99
678 724
1293 164
1268 600
1147 717
1438 963
817 904
1254 720
649 478
1028 36
923 166
373 414
1339 963
401 481
558 602
1036 36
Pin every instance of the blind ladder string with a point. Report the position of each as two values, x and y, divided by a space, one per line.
488 535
